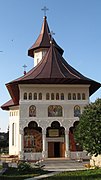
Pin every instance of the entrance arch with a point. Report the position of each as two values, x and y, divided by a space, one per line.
55 135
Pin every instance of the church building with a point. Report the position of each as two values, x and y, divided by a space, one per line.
46 103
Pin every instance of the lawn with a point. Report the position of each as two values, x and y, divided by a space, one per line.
78 175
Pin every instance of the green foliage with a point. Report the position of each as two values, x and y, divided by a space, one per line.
25 168
88 131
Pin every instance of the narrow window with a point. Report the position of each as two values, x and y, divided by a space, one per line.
40 96
25 96
62 96
69 96
57 96
47 96
74 96
79 96
13 134
35 96
83 96
52 96
30 96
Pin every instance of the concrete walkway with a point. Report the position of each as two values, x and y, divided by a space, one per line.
60 165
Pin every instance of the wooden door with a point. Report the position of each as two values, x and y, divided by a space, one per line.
62 149
50 149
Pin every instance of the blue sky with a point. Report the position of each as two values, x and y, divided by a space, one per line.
77 27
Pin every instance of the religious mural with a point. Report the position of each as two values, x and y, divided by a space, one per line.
32 139
32 111
77 111
54 111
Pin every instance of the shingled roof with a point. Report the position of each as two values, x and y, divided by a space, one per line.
52 69
43 40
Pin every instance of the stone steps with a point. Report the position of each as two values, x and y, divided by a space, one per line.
63 164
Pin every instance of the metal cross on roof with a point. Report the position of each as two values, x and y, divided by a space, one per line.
44 9
24 66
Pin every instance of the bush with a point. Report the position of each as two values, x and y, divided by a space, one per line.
25 168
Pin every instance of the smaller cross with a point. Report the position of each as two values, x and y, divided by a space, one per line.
44 9
24 66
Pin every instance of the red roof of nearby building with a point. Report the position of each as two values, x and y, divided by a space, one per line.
7 105
43 40
52 69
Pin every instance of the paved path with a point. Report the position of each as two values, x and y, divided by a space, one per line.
60 165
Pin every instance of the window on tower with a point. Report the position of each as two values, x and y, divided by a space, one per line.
40 96
69 96
35 96
25 96
30 96
47 96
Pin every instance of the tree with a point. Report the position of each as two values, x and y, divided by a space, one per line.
88 131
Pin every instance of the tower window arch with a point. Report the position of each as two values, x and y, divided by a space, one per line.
69 96
47 96
74 96
32 111
79 96
62 96
25 96
52 96
30 96
83 96
40 96
35 96
77 111
57 96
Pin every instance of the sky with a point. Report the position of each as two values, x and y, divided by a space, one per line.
77 28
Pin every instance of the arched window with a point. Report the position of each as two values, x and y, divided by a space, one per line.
69 96
35 96
30 96
74 96
54 111
47 96
32 111
52 96
83 96
40 96
57 96
62 96
79 96
25 96
77 111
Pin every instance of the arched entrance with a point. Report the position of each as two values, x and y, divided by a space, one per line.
55 140
32 138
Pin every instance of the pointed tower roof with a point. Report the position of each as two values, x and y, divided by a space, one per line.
52 69
43 40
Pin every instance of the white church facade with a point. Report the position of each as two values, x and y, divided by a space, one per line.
46 103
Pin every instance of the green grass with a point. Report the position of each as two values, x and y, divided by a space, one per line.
78 175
